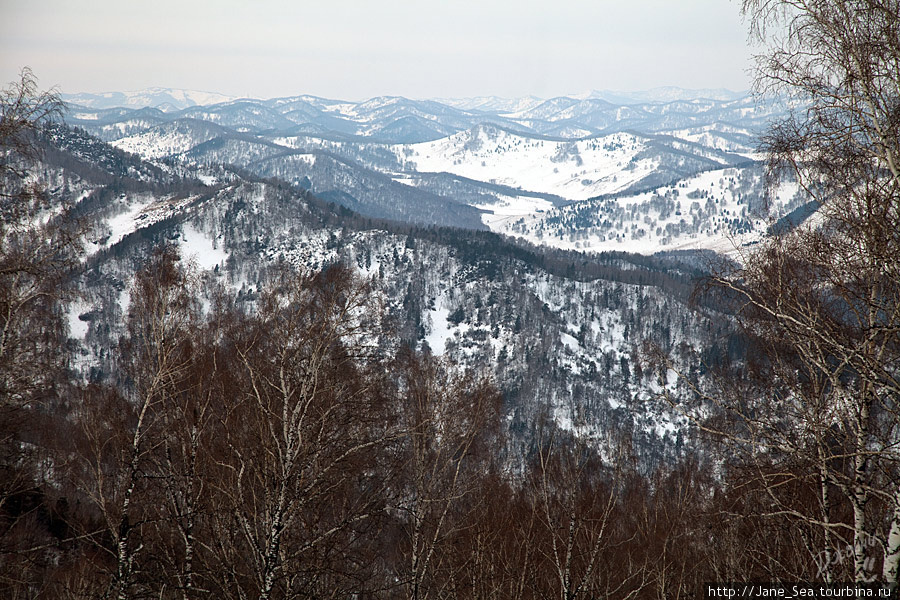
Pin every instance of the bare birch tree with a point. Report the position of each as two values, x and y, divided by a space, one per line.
38 254
124 438
576 498
298 439
821 302
445 421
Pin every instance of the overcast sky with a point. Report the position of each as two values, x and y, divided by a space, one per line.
356 49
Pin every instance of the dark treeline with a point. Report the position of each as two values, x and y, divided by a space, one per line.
486 248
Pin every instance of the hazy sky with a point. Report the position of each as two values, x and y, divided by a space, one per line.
355 49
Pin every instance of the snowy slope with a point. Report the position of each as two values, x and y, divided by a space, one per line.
720 210
131 213
170 138
575 170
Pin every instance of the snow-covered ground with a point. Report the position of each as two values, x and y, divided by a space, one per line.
509 208
575 170
199 247
77 328
127 221
707 211
157 143
440 328
135 212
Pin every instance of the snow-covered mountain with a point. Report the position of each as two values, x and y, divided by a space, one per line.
244 185
487 153
720 210
166 99
560 332
401 120
521 167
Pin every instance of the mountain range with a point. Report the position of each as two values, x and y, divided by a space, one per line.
561 332
586 173
171 98
503 236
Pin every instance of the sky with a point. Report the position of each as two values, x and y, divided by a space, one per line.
357 49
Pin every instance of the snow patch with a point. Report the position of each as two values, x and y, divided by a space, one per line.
571 169
198 246
569 341
440 328
126 222
77 328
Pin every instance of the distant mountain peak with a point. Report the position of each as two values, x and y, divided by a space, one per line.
165 99
662 94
